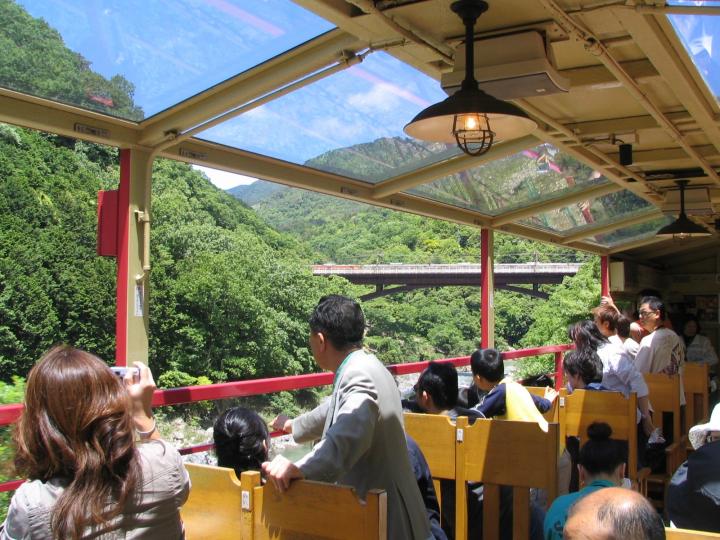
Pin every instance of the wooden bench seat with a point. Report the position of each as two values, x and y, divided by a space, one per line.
495 452
583 407
221 507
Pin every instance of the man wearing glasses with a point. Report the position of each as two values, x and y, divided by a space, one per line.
661 351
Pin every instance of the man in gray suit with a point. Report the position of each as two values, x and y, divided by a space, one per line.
362 440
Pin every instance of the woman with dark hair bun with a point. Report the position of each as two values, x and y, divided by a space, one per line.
241 440
601 465
76 445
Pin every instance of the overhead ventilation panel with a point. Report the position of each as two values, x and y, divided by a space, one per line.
697 202
509 67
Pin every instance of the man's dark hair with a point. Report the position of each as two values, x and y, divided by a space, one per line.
340 319
623 327
632 521
488 363
655 304
588 367
601 454
440 381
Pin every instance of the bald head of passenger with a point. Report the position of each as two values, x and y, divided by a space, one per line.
613 514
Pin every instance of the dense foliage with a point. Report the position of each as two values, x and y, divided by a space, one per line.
421 324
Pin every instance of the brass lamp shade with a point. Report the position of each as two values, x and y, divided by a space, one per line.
470 117
436 123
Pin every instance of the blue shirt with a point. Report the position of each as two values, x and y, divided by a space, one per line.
557 515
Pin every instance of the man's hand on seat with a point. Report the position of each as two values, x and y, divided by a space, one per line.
281 471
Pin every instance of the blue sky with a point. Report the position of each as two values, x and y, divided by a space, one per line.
173 49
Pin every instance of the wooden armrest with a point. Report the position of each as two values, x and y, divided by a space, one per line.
675 455
640 484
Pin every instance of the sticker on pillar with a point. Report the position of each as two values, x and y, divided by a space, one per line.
139 300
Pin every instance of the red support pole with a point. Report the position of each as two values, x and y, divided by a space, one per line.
605 275
558 370
486 291
123 262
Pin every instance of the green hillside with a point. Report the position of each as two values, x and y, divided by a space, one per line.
429 323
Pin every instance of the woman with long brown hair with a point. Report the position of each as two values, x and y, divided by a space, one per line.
76 445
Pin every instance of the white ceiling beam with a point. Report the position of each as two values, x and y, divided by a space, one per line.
589 231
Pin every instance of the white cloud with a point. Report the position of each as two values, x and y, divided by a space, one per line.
381 97
224 179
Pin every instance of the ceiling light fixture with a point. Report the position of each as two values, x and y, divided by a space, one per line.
682 227
470 117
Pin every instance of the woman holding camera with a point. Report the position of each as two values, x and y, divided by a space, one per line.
96 467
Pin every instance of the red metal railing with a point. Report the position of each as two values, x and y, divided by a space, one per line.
176 396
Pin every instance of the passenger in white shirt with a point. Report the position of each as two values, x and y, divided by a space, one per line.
661 351
623 333
618 371
698 348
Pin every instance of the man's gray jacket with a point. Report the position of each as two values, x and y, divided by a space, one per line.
363 443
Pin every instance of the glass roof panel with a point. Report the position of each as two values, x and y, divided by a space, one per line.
634 232
590 213
700 34
350 123
542 173
133 58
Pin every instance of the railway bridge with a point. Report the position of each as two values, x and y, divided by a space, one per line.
394 278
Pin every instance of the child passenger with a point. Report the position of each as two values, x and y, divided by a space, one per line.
505 398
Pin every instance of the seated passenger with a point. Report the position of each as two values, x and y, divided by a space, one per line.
614 513
436 392
582 373
619 373
426 487
601 464
87 477
630 346
241 440
693 498
505 398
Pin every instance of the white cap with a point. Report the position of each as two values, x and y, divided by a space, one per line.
698 434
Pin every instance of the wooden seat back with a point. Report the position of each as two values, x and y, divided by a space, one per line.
686 534
665 398
435 435
504 453
213 509
310 510
551 415
697 394
583 407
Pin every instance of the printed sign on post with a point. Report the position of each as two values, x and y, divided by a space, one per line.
139 300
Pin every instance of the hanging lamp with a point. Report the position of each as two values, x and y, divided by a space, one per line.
682 227
470 117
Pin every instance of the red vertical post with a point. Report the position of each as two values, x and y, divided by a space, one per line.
558 370
487 315
605 275
123 260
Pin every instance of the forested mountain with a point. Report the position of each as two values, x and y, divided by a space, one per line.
35 60
230 291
